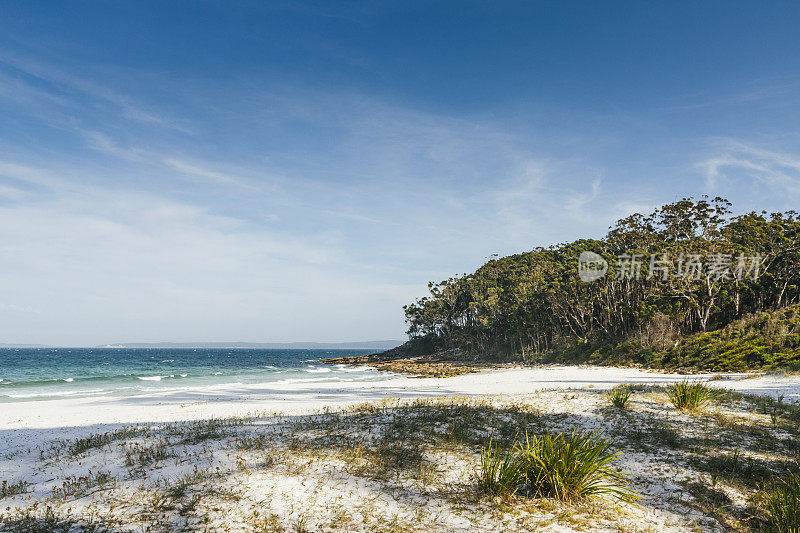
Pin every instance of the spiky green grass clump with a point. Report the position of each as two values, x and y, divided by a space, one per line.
572 466
782 504
500 473
690 395
619 396
564 466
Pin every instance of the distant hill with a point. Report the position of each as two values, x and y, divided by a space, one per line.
361 345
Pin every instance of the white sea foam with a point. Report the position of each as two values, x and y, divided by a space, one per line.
159 378
361 368
90 392
302 380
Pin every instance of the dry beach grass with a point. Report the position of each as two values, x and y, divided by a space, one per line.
407 465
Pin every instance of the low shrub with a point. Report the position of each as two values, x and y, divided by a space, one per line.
619 396
572 467
564 466
690 395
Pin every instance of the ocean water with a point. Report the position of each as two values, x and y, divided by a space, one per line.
48 373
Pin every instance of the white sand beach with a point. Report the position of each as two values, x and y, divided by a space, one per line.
70 415
315 456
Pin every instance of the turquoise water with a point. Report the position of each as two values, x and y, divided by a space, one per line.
48 373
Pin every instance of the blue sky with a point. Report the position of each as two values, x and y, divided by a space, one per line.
297 171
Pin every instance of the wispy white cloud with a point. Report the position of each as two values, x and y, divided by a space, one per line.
51 84
257 247
126 263
194 169
197 170
581 200
11 193
736 160
771 91
102 143
304 214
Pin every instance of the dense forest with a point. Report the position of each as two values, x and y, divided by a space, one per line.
643 294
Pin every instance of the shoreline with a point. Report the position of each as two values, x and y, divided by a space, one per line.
238 400
415 366
451 363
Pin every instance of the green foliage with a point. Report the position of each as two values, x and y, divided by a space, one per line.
572 467
619 396
500 473
761 340
564 466
782 504
533 305
690 395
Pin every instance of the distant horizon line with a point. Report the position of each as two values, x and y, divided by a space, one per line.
384 344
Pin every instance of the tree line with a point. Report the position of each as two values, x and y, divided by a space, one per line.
688 266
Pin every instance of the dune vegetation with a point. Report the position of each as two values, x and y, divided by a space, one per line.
558 459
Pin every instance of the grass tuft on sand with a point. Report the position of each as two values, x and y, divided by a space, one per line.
689 395
619 396
564 466
782 504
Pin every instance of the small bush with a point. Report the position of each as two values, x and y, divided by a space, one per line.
782 503
572 467
563 466
619 396
690 395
